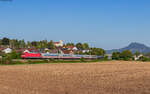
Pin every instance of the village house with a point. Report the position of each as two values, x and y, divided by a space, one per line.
54 51
20 50
138 57
67 52
2 48
31 50
7 50
69 49
59 44
85 51
73 48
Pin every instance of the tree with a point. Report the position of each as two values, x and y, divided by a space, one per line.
126 55
79 46
16 43
13 55
12 44
147 55
22 44
0 42
85 46
5 41
137 54
97 51
7 59
144 58
101 52
45 44
70 44
29 44
34 43
51 45
116 55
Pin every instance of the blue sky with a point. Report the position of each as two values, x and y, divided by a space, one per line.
102 23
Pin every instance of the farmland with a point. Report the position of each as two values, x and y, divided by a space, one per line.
110 77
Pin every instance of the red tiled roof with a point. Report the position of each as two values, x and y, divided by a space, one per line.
71 47
56 42
20 50
67 51
2 48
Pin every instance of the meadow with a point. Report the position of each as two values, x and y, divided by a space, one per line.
109 77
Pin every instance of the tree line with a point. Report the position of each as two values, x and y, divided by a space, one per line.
128 55
18 44
125 55
15 43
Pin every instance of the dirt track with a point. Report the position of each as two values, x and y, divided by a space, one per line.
92 78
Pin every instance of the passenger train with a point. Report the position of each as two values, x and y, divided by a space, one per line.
33 55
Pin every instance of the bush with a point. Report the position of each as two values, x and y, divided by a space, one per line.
17 62
125 55
116 56
144 58
45 60
15 55
52 60
2 61
82 59
105 57
6 59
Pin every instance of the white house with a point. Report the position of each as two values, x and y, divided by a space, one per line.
72 48
84 51
59 44
75 48
137 57
7 50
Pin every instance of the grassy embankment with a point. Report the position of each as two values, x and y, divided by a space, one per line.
28 61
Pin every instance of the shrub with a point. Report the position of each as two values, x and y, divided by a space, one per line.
105 57
51 60
46 60
144 58
6 60
116 56
82 59
126 55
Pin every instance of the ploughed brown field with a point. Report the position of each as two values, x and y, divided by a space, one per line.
112 77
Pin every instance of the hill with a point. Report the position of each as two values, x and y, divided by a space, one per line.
133 47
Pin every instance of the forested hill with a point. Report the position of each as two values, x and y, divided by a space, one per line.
134 47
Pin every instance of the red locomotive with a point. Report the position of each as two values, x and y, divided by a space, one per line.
31 55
